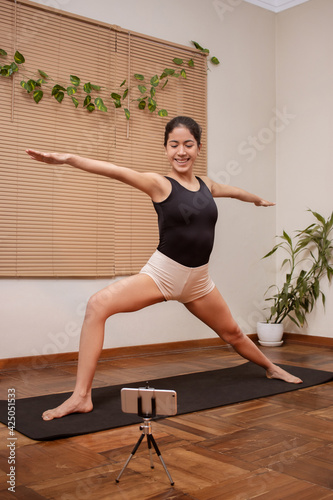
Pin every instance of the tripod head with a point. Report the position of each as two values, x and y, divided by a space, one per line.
148 402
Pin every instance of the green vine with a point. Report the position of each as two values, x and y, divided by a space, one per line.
214 60
147 88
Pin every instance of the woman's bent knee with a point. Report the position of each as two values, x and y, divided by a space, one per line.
233 335
98 307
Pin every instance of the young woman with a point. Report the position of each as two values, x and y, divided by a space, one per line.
178 270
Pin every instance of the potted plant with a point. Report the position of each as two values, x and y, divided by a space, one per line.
309 260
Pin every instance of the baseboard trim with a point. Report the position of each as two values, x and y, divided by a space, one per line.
39 362
298 338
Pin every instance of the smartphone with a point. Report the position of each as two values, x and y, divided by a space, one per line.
165 401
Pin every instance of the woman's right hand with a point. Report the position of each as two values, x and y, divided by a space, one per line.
54 158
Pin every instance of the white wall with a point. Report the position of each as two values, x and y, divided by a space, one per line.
305 152
44 316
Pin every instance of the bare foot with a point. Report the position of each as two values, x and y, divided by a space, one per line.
279 373
74 404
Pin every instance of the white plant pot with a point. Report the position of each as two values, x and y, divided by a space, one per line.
270 334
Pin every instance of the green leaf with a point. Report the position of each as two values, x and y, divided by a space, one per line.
287 237
9 69
151 104
329 274
139 77
318 217
115 96
56 89
166 81
59 95
25 86
38 94
71 90
271 252
273 310
14 67
87 88
198 46
6 70
75 80
127 113
154 81
167 72
125 93
142 104
152 92
183 73
29 86
100 104
142 89
3 53
323 299
316 289
294 320
122 83
300 316
178 61
190 63
87 101
117 103
96 87
214 60
33 83
40 81
91 107
162 112
75 101
19 58
284 262
43 74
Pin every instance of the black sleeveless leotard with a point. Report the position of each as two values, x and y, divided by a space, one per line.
186 221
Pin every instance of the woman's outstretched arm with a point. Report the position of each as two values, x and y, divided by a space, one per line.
226 191
148 182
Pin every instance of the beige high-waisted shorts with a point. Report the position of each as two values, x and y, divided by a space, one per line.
178 282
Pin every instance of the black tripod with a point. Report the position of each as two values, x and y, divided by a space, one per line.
146 429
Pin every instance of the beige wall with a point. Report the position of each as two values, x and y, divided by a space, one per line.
305 148
44 316
241 97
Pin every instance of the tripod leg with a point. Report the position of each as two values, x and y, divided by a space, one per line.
160 457
150 452
131 455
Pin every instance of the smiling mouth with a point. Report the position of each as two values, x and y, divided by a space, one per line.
182 161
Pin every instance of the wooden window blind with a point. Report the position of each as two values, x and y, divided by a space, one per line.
56 221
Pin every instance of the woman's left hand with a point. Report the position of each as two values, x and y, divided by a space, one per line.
264 203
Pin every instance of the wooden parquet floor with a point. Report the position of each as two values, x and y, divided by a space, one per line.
275 448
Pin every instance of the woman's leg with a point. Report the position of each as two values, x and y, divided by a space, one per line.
213 310
126 295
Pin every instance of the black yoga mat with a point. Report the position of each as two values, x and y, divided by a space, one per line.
195 391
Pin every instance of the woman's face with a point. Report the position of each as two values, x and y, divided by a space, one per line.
182 149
